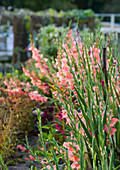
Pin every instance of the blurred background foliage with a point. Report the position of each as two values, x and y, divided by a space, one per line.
49 38
35 5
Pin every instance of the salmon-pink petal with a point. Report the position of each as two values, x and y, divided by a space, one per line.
31 157
113 130
106 128
113 122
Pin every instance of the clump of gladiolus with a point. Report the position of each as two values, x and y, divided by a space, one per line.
79 84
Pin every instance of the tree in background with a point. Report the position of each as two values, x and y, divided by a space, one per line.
56 4
96 5
112 6
35 5
39 4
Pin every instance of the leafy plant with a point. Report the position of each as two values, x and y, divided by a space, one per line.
50 38
84 81
89 99
16 118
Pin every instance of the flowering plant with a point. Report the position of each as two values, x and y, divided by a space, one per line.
16 118
50 38
87 88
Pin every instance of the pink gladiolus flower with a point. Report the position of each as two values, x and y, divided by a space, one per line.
42 149
31 157
113 130
68 146
34 95
26 159
48 166
75 165
106 128
73 157
113 122
44 162
58 127
21 147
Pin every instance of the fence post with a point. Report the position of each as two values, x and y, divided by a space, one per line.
112 21
104 69
20 40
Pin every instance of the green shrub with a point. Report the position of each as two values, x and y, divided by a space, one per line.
50 38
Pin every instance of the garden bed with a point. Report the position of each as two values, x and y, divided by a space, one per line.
76 101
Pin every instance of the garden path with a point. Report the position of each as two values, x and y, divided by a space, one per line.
19 158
